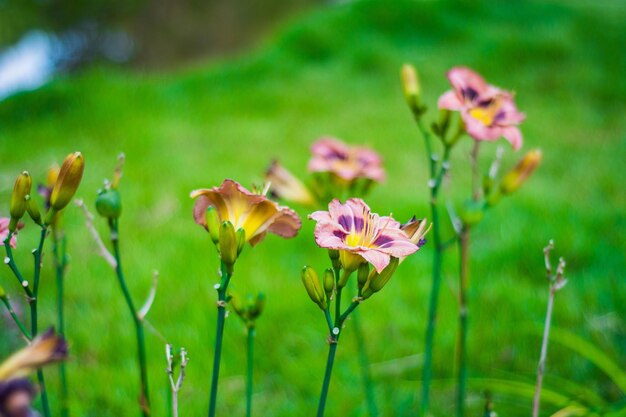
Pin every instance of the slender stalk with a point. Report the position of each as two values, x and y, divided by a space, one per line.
33 315
60 263
249 382
221 315
18 322
436 178
544 353
368 385
144 401
463 314
329 369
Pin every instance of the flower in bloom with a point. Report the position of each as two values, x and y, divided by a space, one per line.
254 213
487 111
287 186
346 162
360 235
4 231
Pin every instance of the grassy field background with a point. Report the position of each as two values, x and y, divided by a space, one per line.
336 71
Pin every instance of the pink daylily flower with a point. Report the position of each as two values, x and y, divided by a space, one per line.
255 213
4 231
346 162
360 235
487 111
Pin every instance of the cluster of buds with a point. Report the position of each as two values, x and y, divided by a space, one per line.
320 293
250 309
228 241
63 186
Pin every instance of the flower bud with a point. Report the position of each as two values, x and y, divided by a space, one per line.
52 175
228 245
411 88
21 190
67 183
362 274
313 287
378 280
329 283
241 239
213 224
514 179
33 210
109 204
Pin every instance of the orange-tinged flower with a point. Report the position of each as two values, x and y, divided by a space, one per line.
44 349
360 235
254 213
346 162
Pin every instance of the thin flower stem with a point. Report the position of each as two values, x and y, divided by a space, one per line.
249 382
463 316
144 402
221 316
329 320
544 353
33 315
18 322
436 179
329 369
60 263
11 263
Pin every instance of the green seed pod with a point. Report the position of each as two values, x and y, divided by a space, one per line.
378 280
228 244
313 287
213 224
241 239
21 190
33 210
329 283
362 274
67 183
109 204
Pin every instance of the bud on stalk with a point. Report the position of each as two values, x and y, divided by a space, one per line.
109 204
362 274
411 88
33 210
313 287
329 283
378 280
67 183
516 177
213 224
21 191
228 245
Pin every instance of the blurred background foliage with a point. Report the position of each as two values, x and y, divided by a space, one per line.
330 69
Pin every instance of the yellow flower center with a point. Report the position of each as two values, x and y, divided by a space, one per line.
487 114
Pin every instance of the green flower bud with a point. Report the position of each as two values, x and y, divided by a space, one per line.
228 245
313 287
241 239
213 224
516 177
109 204
362 274
33 210
329 283
67 183
411 88
21 190
378 280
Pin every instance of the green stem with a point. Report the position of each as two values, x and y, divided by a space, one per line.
144 401
329 369
249 382
11 263
221 315
19 323
368 385
463 313
33 315
60 263
436 179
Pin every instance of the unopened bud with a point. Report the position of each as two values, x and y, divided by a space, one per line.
21 190
362 274
514 179
411 88
329 283
109 204
313 287
241 239
213 224
33 210
52 175
67 183
378 280
228 245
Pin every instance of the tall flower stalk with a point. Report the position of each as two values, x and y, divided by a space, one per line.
234 216
64 188
556 281
356 238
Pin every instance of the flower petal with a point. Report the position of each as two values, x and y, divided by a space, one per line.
450 100
378 259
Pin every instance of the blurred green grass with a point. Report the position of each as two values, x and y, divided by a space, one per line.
335 72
